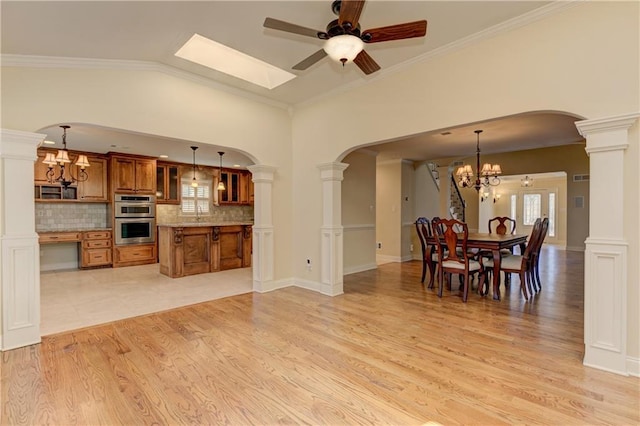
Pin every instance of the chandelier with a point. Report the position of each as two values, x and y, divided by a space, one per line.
487 176
62 159
526 182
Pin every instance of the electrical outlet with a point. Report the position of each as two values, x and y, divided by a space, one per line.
379 245
308 264
411 247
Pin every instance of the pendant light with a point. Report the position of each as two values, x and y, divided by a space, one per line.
194 182
221 186
487 176
62 159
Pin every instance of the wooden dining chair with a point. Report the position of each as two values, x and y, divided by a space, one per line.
502 225
521 264
536 284
429 254
450 235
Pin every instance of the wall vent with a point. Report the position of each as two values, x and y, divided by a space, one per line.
457 163
580 178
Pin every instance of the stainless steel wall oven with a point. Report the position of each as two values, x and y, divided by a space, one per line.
135 221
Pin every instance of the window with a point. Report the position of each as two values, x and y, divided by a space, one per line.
514 200
531 208
195 201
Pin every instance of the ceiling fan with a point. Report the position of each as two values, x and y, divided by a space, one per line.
344 39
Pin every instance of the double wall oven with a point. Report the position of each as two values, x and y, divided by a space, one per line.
135 219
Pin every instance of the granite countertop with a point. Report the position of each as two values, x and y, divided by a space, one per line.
203 224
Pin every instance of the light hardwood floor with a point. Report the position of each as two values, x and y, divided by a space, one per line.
385 352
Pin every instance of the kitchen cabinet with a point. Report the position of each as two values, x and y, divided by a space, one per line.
238 187
135 254
95 249
95 187
188 249
131 174
167 183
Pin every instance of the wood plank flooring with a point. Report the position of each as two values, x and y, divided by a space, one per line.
386 352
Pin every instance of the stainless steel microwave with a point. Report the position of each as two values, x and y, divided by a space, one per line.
126 205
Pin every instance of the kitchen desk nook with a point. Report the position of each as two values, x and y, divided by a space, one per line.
196 248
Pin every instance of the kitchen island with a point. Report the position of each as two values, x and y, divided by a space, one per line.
200 247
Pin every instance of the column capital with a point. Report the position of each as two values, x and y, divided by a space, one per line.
262 172
615 129
332 171
17 144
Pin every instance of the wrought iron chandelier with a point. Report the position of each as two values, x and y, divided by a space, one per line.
487 176
62 159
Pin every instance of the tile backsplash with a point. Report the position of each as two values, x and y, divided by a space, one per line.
63 216
51 217
170 213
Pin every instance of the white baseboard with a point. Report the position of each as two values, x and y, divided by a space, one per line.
383 258
359 268
272 285
633 366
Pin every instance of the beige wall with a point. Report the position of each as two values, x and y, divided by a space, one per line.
359 211
571 159
389 210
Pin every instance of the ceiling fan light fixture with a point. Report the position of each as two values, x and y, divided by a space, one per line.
343 48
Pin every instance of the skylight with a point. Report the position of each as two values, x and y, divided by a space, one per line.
222 58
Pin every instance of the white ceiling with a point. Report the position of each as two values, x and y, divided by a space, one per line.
153 31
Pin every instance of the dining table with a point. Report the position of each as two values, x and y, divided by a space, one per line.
489 242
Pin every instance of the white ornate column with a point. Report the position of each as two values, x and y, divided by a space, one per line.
331 236
263 255
605 275
20 258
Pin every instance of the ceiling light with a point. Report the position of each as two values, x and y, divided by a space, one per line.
343 48
194 182
163 156
62 159
221 186
487 176
526 182
222 58
46 142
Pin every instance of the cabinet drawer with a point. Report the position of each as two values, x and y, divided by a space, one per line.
59 237
96 235
135 254
96 257
93 244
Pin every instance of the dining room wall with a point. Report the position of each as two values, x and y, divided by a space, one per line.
359 211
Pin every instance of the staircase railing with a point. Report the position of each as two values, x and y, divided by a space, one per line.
456 196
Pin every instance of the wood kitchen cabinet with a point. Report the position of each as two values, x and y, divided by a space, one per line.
135 254
95 249
95 187
196 249
167 183
239 187
132 174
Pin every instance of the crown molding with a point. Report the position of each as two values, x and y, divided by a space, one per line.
29 61
503 27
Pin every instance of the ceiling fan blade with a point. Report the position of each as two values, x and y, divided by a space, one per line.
366 63
276 24
306 63
350 11
395 32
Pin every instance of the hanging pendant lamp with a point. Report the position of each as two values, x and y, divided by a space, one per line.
194 182
221 186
